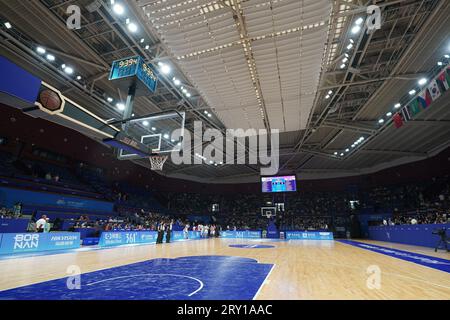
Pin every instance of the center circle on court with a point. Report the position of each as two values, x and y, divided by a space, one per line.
251 246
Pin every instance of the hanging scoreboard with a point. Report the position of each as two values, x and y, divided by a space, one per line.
134 71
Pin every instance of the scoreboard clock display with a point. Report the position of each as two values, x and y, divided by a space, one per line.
279 184
134 71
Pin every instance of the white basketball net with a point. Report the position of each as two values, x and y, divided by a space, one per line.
157 162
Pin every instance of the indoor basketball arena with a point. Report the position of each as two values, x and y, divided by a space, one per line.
224 150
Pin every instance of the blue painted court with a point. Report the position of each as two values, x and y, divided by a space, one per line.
185 278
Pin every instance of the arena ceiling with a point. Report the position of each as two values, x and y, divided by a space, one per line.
262 64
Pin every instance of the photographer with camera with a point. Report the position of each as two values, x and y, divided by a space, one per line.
442 233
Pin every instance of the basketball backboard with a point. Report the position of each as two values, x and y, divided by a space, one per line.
269 212
158 133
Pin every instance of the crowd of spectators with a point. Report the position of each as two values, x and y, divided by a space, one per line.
11 213
435 217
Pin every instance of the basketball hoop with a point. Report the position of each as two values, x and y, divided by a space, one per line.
157 162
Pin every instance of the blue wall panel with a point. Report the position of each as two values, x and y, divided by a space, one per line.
10 196
13 225
418 235
17 82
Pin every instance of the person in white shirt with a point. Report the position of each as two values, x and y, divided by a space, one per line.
186 231
205 231
40 224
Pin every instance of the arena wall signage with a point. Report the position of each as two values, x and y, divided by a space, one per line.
309 235
241 234
117 238
36 242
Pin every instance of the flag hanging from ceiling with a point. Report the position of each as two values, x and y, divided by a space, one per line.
434 90
414 107
406 116
424 98
444 80
398 121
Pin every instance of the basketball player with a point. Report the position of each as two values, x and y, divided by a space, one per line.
186 231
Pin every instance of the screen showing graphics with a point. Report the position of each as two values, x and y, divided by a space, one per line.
279 184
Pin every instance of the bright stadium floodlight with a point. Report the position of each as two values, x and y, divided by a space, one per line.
8 25
145 123
118 9
350 46
439 63
188 95
397 105
164 68
343 66
335 153
50 57
446 56
133 27
78 78
68 70
412 92
388 114
422 81
109 99
330 92
166 136
381 121
359 21
120 106
342 154
347 150
41 50
153 129
356 29
176 82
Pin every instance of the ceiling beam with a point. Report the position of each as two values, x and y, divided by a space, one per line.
394 152
351 126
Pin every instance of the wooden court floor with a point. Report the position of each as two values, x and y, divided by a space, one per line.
303 269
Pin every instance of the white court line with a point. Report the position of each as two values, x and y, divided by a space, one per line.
264 282
154 274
